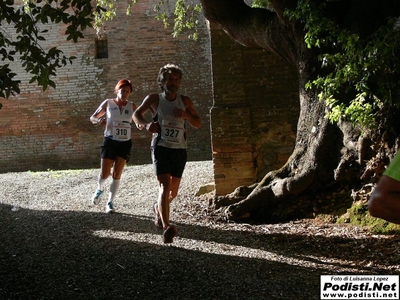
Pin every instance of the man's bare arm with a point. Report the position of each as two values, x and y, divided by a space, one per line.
385 200
190 113
149 104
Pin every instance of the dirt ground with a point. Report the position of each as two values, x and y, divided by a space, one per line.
55 245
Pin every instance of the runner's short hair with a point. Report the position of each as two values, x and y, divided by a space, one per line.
168 68
122 83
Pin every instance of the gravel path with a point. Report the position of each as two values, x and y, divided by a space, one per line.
54 245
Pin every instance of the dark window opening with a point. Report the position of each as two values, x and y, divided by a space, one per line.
102 48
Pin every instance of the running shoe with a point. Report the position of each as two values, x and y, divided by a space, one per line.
96 197
109 207
157 220
169 233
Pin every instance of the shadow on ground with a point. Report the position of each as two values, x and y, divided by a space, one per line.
86 255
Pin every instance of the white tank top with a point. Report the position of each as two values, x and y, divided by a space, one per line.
118 125
173 130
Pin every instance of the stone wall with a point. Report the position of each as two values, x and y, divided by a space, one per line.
50 129
254 115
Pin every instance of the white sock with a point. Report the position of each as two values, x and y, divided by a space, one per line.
100 182
114 189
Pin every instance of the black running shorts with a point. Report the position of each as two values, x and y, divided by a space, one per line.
168 161
111 149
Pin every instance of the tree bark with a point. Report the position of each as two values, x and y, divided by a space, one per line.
320 145
254 27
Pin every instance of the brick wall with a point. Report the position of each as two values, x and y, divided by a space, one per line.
248 99
254 115
51 130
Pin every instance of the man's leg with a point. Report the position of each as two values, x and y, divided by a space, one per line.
175 182
164 200
164 181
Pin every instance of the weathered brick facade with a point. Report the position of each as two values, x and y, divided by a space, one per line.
254 115
251 94
51 129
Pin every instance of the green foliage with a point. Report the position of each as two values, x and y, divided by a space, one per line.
358 215
25 42
358 111
186 17
42 63
261 3
106 13
365 68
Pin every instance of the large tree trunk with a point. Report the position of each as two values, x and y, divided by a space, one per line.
321 148
319 151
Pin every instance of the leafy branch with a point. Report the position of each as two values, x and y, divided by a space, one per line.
25 40
186 18
367 68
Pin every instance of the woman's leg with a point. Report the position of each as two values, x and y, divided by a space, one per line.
119 165
105 170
